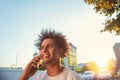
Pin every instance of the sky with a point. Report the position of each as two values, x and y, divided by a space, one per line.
22 20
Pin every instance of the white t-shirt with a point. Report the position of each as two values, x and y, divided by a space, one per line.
66 74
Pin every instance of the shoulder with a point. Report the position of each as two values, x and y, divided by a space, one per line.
70 71
74 75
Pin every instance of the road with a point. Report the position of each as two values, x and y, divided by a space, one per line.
116 78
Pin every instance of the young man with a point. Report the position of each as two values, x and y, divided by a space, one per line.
52 46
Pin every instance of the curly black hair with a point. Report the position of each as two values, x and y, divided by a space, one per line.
59 38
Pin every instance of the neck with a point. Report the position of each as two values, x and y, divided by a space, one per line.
53 70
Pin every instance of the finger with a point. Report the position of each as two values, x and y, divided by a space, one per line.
36 61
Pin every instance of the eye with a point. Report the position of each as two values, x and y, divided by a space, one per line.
41 48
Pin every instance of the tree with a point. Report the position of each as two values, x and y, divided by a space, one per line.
92 66
111 65
108 8
35 54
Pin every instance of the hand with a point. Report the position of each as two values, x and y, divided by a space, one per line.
30 69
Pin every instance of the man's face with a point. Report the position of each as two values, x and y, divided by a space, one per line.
49 51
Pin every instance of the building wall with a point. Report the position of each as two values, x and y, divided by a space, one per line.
116 48
71 59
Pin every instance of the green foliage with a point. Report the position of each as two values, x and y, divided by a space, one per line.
35 54
82 70
62 62
92 66
108 8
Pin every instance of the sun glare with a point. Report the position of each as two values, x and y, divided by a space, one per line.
102 64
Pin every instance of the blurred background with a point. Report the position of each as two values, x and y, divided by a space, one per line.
21 22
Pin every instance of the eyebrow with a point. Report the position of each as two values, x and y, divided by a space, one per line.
45 45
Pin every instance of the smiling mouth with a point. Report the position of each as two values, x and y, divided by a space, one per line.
45 55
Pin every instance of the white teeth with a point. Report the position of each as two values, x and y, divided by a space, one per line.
46 55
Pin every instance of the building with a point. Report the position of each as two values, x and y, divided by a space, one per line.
71 59
116 48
